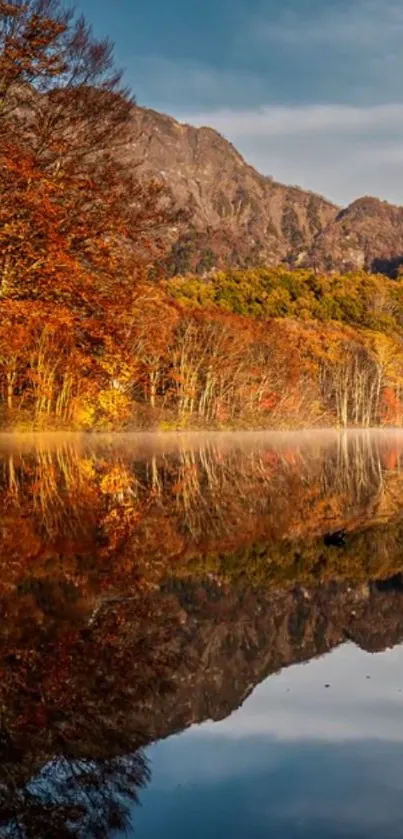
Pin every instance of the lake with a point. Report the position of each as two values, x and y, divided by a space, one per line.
201 635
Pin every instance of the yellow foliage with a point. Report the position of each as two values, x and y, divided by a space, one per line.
84 414
114 404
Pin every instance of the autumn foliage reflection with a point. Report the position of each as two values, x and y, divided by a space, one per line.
101 540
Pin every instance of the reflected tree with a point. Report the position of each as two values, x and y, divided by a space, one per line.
72 799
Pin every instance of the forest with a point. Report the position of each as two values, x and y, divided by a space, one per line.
95 334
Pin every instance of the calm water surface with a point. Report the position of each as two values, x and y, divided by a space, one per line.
201 636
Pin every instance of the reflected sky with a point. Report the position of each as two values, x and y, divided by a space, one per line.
297 760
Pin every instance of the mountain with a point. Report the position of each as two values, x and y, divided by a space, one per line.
235 214
238 217
366 235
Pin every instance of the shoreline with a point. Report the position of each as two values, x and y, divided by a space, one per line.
165 441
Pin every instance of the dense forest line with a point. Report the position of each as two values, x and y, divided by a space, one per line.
173 363
94 335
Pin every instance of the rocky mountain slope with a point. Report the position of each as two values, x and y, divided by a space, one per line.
236 216
366 235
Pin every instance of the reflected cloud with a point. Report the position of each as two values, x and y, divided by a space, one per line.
363 701
314 762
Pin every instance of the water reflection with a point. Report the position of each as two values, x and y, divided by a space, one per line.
296 760
147 584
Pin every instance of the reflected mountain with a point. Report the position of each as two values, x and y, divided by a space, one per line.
148 584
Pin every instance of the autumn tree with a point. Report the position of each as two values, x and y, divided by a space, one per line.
65 130
78 228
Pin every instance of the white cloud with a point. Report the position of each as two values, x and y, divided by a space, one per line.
274 121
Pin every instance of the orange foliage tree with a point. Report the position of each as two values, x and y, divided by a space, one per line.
78 229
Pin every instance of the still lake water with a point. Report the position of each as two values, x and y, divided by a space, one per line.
201 636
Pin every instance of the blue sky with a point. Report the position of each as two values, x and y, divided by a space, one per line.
310 91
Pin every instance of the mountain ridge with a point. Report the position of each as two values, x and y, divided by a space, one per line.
236 216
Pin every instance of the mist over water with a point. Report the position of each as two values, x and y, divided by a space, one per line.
159 594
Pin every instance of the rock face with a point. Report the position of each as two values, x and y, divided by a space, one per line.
367 235
238 217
